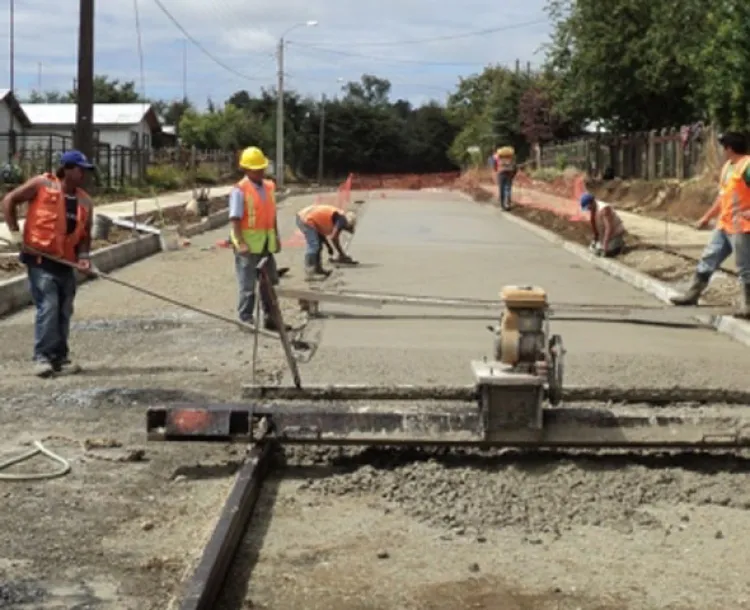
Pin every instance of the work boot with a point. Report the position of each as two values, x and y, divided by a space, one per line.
43 369
693 293
310 264
66 367
319 266
744 309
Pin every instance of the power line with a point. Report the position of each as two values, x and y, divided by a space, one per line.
472 34
201 48
395 60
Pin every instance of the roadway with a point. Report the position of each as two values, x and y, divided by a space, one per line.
441 245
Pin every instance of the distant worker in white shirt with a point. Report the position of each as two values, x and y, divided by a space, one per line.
607 226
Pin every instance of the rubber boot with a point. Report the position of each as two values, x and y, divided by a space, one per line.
310 260
319 265
693 293
744 309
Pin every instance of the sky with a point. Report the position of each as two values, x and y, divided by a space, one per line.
230 45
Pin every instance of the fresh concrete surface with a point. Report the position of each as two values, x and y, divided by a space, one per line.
445 246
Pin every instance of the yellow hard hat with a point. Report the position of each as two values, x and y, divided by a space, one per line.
253 158
505 151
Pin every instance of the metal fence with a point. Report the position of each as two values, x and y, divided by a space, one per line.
26 155
671 153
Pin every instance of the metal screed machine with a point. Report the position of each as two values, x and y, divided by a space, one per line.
517 400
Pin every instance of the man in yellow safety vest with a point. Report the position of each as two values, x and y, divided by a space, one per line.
255 233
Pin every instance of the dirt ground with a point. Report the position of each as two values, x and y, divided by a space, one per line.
120 534
175 216
486 530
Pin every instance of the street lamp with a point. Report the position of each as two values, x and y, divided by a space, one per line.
279 169
321 137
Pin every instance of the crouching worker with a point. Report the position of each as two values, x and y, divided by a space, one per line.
320 223
255 234
58 224
606 225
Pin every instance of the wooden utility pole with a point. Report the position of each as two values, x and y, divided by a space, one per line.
84 135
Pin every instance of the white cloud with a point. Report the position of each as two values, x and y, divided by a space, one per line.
244 35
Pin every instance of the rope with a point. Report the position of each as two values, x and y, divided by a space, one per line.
87 446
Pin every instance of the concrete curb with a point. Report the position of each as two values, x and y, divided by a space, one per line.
14 292
738 330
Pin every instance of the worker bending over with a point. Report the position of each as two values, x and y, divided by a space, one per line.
255 234
606 225
320 223
505 171
732 232
58 223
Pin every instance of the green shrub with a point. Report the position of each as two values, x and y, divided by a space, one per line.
207 175
546 174
561 161
165 177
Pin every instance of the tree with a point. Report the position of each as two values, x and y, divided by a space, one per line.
106 91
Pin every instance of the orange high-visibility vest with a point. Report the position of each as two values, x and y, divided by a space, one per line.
258 222
734 215
320 217
46 226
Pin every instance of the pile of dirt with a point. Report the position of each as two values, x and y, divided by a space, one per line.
469 491
671 199
404 181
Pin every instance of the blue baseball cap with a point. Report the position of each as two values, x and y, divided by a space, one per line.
76 158
586 200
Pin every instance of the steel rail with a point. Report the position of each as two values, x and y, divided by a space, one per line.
207 580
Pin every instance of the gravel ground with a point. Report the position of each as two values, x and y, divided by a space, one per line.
449 529
120 533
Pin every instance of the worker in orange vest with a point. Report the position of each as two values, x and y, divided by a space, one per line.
732 232
254 234
320 223
504 165
58 224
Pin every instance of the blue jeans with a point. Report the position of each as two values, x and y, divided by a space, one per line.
504 187
719 248
245 266
312 239
53 294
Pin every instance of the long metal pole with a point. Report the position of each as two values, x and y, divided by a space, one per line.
12 46
84 136
280 116
321 137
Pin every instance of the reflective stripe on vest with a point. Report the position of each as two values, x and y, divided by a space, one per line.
320 217
258 222
46 226
734 216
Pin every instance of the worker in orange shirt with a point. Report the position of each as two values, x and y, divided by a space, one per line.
58 223
504 165
732 232
320 223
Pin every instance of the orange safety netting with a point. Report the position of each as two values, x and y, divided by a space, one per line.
410 182
560 196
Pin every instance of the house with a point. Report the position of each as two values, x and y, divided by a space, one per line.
115 125
14 123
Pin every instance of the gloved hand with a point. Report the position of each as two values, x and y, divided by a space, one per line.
598 251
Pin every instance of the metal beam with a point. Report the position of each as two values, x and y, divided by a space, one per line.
653 396
205 584
370 424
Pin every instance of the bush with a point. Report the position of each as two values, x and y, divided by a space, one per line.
546 174
165 177
207 175
561 161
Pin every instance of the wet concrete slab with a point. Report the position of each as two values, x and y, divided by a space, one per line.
447 247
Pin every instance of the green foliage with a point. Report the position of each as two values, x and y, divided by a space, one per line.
165 177
561 161
650 64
